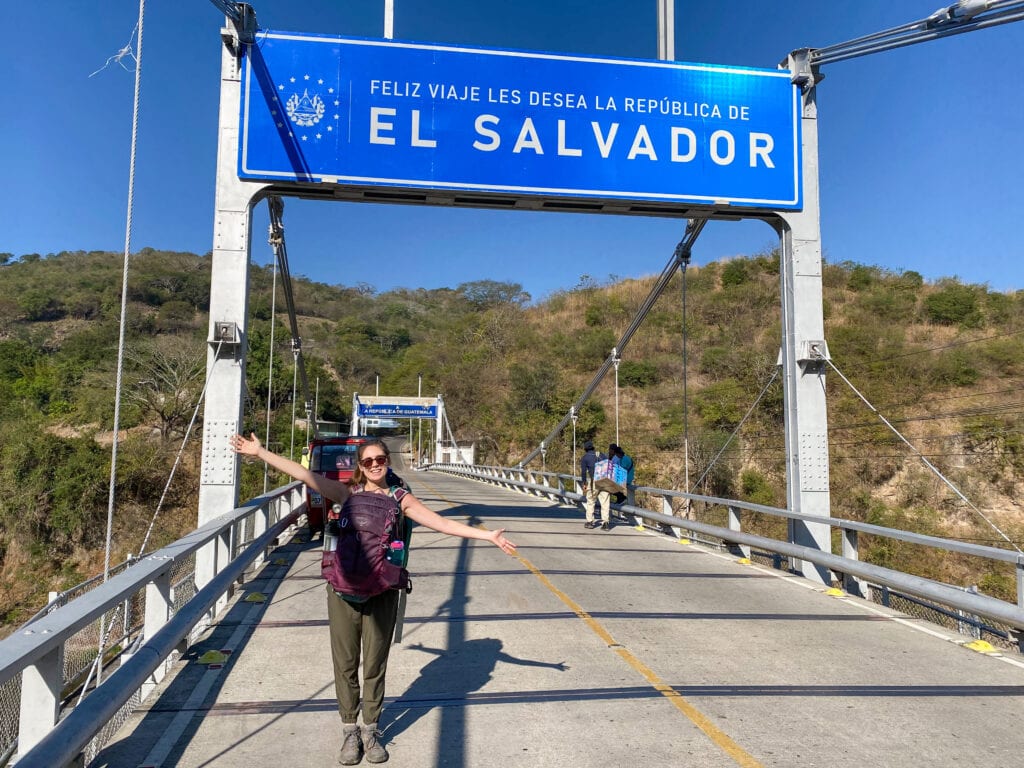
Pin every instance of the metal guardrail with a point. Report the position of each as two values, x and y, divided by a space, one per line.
857 577
161 590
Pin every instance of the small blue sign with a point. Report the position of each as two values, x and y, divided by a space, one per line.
375 112
396 411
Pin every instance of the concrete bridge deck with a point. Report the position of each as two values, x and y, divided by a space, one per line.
591 649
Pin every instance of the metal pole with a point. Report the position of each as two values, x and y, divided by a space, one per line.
295 381
389 19
378 384
419 387
572 410
615 352
686 417
270 372
229 326
666 30
804 351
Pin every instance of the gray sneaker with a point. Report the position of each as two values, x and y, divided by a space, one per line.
352 747
375 752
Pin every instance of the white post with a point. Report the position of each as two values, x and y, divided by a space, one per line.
229 297
804 350
574 471
439 430
666 30
615 352
389 19
158 611
41 685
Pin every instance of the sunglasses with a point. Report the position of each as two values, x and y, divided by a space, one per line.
368 462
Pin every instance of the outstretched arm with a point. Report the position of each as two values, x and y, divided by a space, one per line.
251 446
416 510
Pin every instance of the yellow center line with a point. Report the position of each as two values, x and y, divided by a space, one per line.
694 715
739 755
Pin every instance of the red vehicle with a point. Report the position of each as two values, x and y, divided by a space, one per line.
335 458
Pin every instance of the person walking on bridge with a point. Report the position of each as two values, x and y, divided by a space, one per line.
627 463
366 626
592 494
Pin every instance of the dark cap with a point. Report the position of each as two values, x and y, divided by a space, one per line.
588 446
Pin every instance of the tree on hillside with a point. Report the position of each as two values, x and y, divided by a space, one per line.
484 293
165 380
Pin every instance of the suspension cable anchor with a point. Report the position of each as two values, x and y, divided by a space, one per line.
682 253
242 26
224 332
803 68
813 350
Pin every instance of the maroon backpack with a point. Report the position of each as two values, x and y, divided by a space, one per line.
370 549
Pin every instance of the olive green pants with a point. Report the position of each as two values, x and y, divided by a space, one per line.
361 629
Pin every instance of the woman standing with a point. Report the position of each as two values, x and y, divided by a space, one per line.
364 628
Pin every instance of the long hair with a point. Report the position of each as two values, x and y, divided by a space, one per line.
358 476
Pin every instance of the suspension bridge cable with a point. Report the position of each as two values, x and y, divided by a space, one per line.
270 366
986 435
277 242
735 432
122 325
295 373
181 453
962 396
964 16
684 262
1001 408
230 9
921 456
942 347
693 229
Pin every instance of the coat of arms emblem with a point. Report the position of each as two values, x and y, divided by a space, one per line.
305 110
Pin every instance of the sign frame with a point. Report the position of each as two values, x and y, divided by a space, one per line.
280 154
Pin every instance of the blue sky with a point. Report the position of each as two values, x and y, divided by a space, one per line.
920 157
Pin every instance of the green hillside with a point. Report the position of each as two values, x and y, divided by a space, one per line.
943 362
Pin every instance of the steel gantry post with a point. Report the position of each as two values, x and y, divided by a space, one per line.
666 30
229 296
803 342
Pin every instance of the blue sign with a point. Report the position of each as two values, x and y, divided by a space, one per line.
395 410
374 112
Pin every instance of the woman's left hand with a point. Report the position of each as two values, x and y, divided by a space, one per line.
506 546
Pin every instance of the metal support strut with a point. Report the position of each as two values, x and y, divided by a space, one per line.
693 229
276 206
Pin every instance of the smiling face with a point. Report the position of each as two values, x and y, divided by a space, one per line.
373 463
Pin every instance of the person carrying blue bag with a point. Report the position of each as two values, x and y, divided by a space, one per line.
627 463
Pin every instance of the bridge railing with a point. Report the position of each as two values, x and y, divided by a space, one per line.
676 512
144 613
